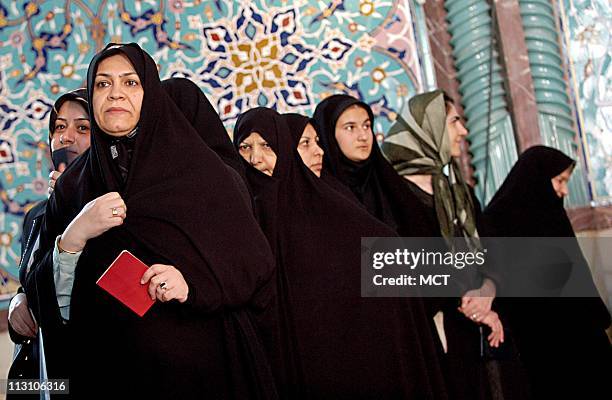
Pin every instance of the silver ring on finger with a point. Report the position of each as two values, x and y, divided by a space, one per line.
163 286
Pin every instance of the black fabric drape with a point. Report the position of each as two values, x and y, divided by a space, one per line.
200 113
331 343
184 209
195 106
374 182
562 340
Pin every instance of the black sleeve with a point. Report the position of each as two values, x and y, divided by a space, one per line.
39 284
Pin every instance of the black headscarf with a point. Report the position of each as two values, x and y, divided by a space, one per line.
78 95
526 204
341 344
184 209
64 154
296 123
194 104
374 181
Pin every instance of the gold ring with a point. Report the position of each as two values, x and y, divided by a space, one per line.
114 211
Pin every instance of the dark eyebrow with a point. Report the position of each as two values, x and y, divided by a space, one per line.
120 75
76 119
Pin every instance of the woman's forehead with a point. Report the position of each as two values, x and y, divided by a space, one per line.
451 110
71 106
354 112
309 130
117 64
254 136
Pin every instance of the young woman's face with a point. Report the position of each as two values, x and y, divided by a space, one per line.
354 133
311 153
560 181
257 152
456 130
117 96
72 129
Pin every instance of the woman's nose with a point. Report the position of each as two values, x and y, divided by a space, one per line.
116 92
68 136
363 134
255 156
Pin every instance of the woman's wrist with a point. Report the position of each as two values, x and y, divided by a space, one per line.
67 244
488 287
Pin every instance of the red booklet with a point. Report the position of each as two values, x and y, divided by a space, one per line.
122 280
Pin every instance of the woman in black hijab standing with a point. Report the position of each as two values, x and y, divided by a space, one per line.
357 162
152 186
562 341
332 343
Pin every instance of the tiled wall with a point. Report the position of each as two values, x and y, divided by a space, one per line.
586 27
283 54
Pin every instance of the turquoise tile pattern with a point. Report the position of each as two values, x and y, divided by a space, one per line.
587 35
283 54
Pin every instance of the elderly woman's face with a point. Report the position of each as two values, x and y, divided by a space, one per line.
257 152
117 96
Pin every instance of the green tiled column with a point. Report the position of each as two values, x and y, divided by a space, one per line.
470 27
555 114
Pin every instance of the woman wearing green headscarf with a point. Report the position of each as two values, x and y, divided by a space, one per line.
421 146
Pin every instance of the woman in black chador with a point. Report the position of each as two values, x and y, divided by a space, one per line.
354 158
326 340
151 185
562 341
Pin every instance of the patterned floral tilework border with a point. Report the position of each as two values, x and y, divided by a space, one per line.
283 54
587 27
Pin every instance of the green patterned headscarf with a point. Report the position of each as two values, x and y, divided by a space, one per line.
418 144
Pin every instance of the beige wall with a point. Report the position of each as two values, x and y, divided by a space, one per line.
6 355
599 255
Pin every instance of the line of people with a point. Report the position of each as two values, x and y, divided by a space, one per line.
254 248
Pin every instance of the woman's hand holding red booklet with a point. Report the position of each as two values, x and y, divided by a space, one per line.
122 280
